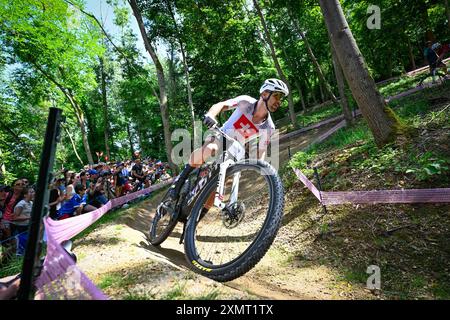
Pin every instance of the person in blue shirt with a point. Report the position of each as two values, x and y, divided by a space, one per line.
76 205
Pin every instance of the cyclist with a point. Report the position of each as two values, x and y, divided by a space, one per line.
433 58
250 117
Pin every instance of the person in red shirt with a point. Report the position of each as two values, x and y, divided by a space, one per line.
441 51
8 210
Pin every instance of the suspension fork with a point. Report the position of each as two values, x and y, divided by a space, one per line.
218 199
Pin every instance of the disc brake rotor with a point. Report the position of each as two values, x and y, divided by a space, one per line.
233 214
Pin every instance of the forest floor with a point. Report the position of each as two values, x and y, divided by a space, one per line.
314 256
131 268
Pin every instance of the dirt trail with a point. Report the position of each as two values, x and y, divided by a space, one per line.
119 259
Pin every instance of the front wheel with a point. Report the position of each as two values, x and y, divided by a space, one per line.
225 244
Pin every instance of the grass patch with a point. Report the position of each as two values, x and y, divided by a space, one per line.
110 281
12 267
354 149
212 295
177 292
116 281
441 290
403 84
318 115
137 296
409 242
354 276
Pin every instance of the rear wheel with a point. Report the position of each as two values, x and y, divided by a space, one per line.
164 221
225 244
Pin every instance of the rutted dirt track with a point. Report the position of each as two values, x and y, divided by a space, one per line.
119 259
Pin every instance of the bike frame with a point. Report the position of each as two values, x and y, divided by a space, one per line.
234 153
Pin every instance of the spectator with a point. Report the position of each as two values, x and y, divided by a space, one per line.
76 205
26 182
106 183
93 175
21 218
70 190
95 194
136 155
56 197
119 179
60 184
84 179
67 174
11 200
138 173
164 175
3 195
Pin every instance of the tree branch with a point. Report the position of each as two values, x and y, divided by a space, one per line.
19 139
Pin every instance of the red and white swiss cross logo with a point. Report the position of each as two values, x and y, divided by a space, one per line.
245 127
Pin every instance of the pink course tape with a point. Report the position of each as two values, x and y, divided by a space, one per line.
60 278
438 195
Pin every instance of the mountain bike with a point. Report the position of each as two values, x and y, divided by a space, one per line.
433 73
235 233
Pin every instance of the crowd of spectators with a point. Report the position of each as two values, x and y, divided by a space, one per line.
72 193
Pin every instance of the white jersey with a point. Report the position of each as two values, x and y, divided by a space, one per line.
241 121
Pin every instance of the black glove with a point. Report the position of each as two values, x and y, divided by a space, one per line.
209 121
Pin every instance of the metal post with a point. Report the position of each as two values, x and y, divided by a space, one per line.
31 263
319 186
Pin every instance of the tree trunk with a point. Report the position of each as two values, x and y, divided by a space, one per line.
105 107
341 86
186 70
87 148
161 84
73 144
389 66
300 92
411 54
380 119
277 64
310 93
130 138
322 96
313 59
297 85
76 108
447 10
172 81
189 91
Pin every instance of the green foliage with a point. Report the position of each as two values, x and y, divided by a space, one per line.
399 159
302 161
398 86
318 115
12 268
428 165
51 50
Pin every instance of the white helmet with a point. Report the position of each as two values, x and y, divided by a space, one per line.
435 46
274 85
